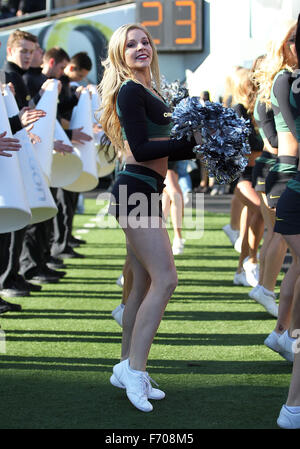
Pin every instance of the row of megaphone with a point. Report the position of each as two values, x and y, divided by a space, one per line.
25 178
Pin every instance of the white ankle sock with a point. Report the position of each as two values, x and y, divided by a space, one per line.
267 292
293 409
134 370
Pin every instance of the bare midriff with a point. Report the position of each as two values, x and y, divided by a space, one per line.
159 165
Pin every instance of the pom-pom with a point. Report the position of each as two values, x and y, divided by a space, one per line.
173 92
224 136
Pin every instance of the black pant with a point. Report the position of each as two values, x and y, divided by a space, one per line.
10 251
66 203
36 246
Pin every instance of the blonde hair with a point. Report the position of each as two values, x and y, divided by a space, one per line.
227 97
241 87
275 61
115 73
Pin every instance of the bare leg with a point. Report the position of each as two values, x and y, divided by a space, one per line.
140 279
128 279
143 315
235 212
176 198
269 224
294 244
293 399
254 227
286 297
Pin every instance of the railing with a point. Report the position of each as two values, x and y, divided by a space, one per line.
54 7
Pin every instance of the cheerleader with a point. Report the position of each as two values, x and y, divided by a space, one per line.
273 249
276 78
288 224
137 120
253 226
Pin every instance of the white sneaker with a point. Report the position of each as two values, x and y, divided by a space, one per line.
117 314
286 344
238 244
272 343
136 384
178 246
266 300
253 291
232 234
252 273
287 419
240 279
120 281
152 393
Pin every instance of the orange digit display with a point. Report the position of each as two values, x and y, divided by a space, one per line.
154 23
175 25
191 22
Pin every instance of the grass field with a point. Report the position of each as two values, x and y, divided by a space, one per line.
208 354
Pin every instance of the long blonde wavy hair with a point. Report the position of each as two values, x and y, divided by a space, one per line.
115 73
275 61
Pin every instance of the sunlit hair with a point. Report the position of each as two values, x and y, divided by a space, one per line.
240 86
275 61
227 97
254 82
116 72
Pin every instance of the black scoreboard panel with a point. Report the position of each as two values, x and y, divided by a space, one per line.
175 25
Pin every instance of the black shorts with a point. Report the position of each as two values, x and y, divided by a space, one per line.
246 175
288 210
283 170
137 193
262 166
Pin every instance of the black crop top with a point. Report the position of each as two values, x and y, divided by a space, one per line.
265 121
142 116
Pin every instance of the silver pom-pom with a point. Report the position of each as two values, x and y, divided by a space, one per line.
173 92
224 136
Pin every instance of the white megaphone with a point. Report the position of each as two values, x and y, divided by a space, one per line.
66 168
45 126
15 212
82 117
39 197
106 155
95 102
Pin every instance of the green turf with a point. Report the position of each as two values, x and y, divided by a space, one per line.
208 354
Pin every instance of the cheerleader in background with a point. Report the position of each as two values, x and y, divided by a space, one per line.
276 78
172 203
232 229
273 250
252 227
288 224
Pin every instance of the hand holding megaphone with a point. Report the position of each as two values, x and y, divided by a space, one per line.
8 144
78 136
79 90
61 147
28 116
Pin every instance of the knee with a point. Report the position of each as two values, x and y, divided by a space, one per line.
169 282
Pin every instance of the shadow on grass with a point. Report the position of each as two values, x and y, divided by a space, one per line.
75 393
162 338
163 367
